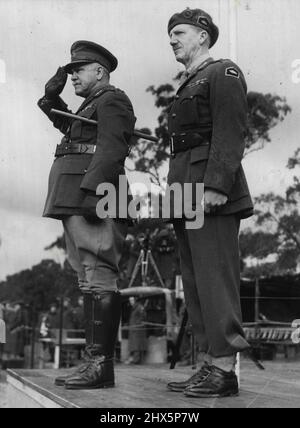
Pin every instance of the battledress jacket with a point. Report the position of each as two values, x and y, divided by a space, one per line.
211 106
74 178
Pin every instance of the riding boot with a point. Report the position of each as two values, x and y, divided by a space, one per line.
99 371
87 306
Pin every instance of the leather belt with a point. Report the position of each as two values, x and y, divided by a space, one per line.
74 149
184 142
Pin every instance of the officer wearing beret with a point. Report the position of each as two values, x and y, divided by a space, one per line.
207 125
87 157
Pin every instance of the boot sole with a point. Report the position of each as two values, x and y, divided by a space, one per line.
176 389
225 395
102 386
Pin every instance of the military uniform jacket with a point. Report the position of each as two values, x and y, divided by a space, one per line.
212 105
74 178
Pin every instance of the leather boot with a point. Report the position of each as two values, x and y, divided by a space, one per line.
99 372
196 378
217 384
87 307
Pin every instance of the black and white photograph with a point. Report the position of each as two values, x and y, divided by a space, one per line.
149 206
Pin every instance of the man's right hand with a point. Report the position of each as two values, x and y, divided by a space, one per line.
213 200
56 84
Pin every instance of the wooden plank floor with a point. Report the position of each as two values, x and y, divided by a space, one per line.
145 387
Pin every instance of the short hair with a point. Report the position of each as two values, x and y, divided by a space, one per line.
106 73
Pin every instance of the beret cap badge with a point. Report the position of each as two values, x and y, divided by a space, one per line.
202 20
188 13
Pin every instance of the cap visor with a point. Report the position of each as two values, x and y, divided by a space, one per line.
70 67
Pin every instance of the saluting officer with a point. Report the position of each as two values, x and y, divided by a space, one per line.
207 125
87 157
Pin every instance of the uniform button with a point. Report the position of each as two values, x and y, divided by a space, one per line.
173 135
177 97
174 115
85 171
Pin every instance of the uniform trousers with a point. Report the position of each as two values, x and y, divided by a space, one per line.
94 250
210 267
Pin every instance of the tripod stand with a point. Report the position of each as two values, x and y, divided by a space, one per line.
145 259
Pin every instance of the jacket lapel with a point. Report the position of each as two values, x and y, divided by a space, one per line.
192 75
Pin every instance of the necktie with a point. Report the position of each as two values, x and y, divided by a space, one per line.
184 77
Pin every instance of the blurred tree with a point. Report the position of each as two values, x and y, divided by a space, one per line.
265 111
278 235
259 244
60 243
40 286
256 247
150 157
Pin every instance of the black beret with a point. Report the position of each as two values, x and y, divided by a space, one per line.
196 17
84 52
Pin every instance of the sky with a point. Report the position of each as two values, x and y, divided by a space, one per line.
35 38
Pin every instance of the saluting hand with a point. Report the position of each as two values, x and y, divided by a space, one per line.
213 200
56 84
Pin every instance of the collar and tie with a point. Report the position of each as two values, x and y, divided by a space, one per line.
187 74
184 76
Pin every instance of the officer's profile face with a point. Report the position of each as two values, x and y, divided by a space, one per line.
86 78
187 41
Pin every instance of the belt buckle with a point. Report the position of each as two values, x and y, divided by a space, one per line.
83 148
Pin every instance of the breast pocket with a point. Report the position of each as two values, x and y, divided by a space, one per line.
76 131
188 114
83 131
194 109
89 131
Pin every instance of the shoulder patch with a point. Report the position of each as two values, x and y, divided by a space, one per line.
232 72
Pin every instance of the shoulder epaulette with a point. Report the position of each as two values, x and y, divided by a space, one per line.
104 90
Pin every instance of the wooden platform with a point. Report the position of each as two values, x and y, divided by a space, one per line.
145 387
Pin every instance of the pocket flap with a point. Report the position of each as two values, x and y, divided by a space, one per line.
76 165
200 153
68 192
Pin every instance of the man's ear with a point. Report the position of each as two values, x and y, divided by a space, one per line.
204 37
100 73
